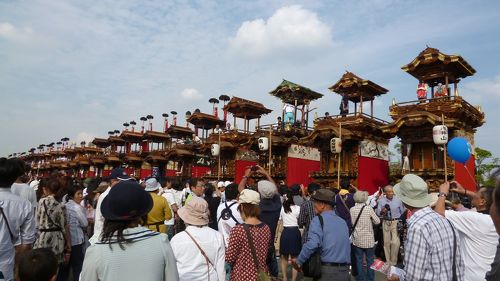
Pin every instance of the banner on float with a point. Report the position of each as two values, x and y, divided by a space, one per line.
373 149
304 152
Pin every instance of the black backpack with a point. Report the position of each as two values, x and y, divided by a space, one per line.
227 213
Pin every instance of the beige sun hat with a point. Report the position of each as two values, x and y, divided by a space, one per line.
249 196
413 191
195 212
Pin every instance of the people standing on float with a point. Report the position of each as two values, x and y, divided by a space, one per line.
289 118
422 90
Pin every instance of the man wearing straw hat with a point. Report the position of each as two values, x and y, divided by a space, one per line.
432 249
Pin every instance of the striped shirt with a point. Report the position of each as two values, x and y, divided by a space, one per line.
77 220
147 256
362 235
429 248
305 217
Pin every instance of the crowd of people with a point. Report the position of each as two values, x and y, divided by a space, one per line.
118 228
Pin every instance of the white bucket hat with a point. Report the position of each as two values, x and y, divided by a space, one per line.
413 191
152 184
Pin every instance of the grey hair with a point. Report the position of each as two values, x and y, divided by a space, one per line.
360 196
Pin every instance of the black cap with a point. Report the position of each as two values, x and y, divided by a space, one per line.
126 201
119 174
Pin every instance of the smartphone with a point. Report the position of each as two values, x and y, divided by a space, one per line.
453 185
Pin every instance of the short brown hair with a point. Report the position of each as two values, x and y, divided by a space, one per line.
486 192
250 210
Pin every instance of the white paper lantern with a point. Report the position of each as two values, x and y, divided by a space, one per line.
336 145
440 134
215 149
263 143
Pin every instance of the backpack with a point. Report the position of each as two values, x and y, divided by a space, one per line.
227 213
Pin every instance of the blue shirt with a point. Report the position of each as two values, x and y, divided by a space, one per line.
333 240
397 207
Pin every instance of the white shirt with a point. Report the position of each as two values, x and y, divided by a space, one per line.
478 241
225 226
191 264
170 195
21 217
99 219
77 220
288 108
290 219
25 191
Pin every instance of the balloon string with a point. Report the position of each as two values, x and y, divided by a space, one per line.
468 172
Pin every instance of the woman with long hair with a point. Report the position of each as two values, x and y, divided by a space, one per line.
77 221
51 221
250 242
290 240
125 250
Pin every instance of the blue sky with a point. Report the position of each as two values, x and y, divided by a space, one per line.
79 69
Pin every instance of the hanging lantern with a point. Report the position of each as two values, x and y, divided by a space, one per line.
215 149
263 143
440 134
336 145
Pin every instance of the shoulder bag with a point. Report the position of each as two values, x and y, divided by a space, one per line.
354 267
8 226
312 267
207 260
261 274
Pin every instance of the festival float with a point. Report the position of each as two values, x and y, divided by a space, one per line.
436 131
278 144
228 145
352 144
442 113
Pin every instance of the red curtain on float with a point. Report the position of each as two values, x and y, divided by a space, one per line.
146 173
145 146
241 165
372 174
171 173
299 170
106 173
199 171
463 177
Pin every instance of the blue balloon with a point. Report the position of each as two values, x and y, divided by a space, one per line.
459 150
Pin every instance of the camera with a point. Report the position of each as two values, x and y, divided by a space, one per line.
254 168
388 207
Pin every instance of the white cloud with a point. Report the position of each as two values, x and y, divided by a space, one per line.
191 94
12 33
483 89
83 136
290 28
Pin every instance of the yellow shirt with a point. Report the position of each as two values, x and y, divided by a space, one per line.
159 214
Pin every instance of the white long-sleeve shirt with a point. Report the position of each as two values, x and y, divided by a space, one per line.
191 264
99 219
21 218
77 220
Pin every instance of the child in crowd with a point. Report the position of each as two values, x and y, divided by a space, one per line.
38 265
